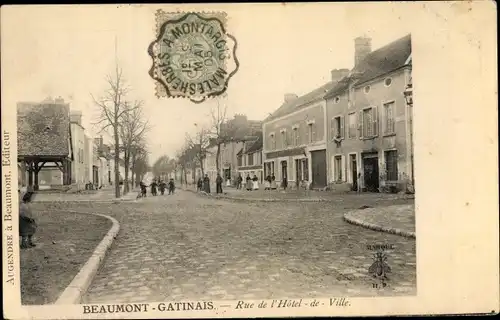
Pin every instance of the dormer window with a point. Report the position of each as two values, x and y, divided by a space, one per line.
336 99
367 89
388 82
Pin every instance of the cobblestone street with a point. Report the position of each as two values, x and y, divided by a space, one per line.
191 247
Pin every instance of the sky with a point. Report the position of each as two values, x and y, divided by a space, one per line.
68 50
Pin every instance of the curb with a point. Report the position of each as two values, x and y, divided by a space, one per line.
81 282
364 224
239 199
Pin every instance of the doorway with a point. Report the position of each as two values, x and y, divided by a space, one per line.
318 162
371 171
284 170
354 171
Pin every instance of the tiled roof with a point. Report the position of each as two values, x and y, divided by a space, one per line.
298 103
43 129
381 61
256 146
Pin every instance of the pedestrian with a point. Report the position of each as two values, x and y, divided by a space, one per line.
218 183
255 181
27 225
171 186
239 180
143 189
284 183
206 184
249 183
199 185
273 182
153 187
163 185
267 185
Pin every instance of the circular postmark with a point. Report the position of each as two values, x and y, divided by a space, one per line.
193 56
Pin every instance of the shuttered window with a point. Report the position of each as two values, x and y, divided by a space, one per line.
391 165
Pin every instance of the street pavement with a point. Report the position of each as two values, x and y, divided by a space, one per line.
187 246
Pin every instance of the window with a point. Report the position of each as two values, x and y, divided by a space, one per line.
240 161
352 125
250 159
388 82
389 124
337 127
367 89
272 141
369 123
311 133
391 165
338 168
284 142
295 136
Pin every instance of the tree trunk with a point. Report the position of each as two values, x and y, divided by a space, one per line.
217 159
117 155
125 180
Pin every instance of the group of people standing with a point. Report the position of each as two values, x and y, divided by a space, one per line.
250 184
204 184
157 184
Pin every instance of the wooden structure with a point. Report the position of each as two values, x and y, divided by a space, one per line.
44 139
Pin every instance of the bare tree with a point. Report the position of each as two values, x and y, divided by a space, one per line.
217 130
111 106
197 147
132 130
139 161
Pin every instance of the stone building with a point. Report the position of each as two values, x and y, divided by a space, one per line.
369 143
295 139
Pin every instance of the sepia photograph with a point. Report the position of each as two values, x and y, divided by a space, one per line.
191 157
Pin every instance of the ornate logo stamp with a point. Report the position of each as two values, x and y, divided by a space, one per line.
193 56
380 269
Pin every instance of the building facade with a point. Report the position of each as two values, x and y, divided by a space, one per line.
79 174
370 145
295 138
250 161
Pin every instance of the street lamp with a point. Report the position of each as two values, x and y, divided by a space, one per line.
408 93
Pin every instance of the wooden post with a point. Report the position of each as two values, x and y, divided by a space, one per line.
30 173
35 171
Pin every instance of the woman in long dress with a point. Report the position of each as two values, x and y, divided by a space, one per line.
255 180
27 225
249 183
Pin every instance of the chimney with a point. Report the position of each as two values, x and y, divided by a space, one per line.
362 48
59 100
290 97
76 117
338 74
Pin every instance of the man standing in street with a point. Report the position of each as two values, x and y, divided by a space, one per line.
218 183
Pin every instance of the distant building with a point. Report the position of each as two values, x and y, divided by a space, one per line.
370 144
250 159
79 168
235 132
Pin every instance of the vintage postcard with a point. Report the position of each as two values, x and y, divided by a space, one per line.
249 160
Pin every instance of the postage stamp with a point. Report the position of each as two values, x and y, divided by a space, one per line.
193 56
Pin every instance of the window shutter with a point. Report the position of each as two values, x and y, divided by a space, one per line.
332 128
342 127
307 135
375 121
313 138
344 169
360 124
